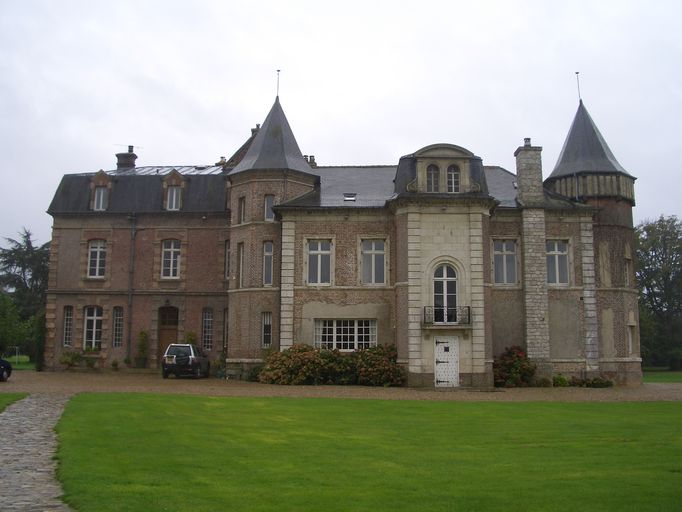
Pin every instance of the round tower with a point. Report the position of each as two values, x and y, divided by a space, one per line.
588 172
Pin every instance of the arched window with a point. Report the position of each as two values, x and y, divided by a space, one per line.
453 179
432 178
445 294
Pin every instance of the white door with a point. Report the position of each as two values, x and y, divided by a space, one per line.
447 362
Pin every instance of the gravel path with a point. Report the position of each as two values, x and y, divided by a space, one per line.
132 381
27 474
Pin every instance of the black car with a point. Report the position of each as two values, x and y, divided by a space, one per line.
5 370
185 359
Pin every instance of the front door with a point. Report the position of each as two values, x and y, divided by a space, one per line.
447 362
168 328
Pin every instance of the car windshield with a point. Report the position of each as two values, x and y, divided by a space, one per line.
178 351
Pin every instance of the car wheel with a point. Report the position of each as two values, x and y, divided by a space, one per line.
198 374
4 375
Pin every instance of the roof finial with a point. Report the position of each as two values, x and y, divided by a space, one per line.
278 83
577 78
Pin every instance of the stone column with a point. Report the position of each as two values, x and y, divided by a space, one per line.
589 295
415 302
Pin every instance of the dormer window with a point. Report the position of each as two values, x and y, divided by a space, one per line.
453 179
101 202
349 197
432 178
173 197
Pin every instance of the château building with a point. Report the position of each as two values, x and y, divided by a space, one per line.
447 258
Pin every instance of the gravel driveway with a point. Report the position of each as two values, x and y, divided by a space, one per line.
144 381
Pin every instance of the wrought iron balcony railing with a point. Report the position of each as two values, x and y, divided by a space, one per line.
460 315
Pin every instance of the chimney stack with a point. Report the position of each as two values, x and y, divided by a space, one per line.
126 160
529 174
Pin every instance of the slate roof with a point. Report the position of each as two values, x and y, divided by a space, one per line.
501 185
371 186
585 150
274 146
143 193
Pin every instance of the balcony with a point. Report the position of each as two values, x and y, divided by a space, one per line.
447 316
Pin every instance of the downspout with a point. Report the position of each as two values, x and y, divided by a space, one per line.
131 273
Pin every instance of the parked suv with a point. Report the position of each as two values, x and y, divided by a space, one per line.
184 359
5 370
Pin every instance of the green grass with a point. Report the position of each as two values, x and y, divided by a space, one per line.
154 452
662 376
23 363
9 398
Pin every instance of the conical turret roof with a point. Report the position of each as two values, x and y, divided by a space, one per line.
585 150
274 146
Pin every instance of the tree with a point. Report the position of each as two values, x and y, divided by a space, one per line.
659 276
13 331
23 273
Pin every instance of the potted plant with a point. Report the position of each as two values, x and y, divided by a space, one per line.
142 349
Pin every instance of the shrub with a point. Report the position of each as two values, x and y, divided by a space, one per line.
544 382
303 364
560 381
70 359
596 382
377 366
513 369
253 373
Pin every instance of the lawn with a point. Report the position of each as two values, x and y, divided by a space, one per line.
159 452
9 398
662 376
23 363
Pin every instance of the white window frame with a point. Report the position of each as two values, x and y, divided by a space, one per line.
240 264
444 317
373 254
432 178
92 328
560 259
207 328
117 330
170 258
97 259
227 259
67 331
266 329
345 334
505 255
269 213
101 202
453 179
320 255
174 198
268 258
241 210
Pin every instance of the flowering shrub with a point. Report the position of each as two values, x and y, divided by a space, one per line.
513 369
303 364
596 382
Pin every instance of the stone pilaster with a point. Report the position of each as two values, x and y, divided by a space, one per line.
589 295
415 302
477 292
535 289
286 326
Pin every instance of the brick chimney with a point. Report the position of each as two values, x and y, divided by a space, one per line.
529 174
126 160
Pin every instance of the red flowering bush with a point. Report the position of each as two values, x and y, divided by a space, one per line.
303 364
513 369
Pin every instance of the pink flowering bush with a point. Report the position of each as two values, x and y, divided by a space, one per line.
513 369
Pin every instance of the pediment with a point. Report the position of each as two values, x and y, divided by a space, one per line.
443 151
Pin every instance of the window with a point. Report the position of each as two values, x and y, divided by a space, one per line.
227 259
373 261
207 328
92 329
117 340
170 259
445 295
267 263
345 335
68 326
240 265
504 261
453 179
241 210
557 262
319 261
269 213
266 331
101 199
432 178
173 198
97 258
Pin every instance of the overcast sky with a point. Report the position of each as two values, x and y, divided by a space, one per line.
361 83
